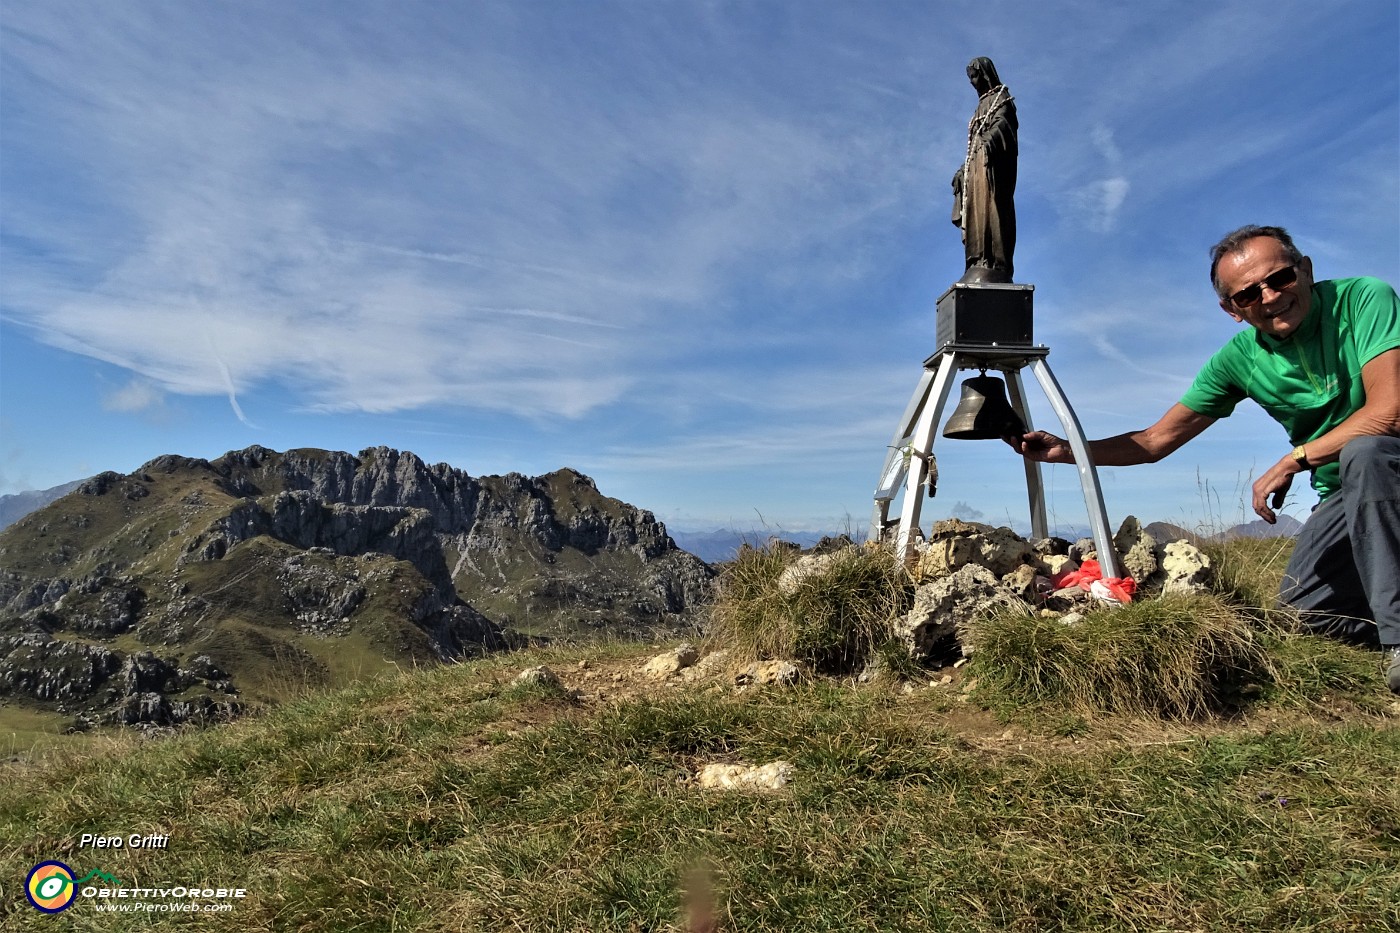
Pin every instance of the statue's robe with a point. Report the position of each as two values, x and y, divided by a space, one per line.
989 180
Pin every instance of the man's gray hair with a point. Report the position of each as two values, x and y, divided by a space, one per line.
1234 241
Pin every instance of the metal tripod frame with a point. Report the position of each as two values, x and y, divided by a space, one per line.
911 450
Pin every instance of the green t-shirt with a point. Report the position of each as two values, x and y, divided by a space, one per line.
1310 381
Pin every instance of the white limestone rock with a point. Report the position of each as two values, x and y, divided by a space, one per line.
1052 565
769 674
772 776
542 676
943 606
1187 569
955 543
1139 552
710 667
1022 582
671 662
805 568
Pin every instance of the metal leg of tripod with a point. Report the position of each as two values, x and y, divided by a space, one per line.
897 457
920 448
1035 488
911 449
1084 462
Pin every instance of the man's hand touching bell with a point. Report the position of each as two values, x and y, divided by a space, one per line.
1038 445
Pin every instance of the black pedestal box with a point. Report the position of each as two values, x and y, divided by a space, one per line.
985 315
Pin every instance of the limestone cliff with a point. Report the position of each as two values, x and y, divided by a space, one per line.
306 566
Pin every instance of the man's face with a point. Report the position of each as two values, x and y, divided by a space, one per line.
1277 312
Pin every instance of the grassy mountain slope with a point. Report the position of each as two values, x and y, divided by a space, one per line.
15 506
454 799
124 551
1025 789
192 589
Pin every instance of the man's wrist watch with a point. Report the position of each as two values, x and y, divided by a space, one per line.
1300 457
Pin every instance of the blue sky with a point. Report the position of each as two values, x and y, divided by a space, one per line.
689 248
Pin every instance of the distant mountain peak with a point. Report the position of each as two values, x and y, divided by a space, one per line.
1286 527
259 555
17 505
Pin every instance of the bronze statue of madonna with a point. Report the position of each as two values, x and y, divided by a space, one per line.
984 187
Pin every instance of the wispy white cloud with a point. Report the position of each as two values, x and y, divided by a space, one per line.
574 217
135 397
1096 204
699 237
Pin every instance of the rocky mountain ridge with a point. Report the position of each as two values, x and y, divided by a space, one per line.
299 565
15 506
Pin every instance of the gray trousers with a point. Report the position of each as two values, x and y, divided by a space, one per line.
1344 575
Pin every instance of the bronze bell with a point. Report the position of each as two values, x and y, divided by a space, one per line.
983 413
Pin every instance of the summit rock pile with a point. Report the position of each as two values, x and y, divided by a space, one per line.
965 569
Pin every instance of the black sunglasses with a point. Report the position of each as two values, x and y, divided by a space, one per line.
1277 282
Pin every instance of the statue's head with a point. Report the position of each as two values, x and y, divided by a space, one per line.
983 74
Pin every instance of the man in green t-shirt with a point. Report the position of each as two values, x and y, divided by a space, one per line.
1323 359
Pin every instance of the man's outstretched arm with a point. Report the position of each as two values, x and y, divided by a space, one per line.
1179 425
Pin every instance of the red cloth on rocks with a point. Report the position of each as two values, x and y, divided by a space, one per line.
1090 577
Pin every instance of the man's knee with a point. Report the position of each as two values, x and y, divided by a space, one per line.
1362 455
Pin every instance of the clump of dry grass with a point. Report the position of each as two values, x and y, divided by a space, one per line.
1175 657
1248 572
1308 669
832 618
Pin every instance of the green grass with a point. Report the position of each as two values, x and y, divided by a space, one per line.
1178 764
833 620
1248 571
22 729
1177 657
452 800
